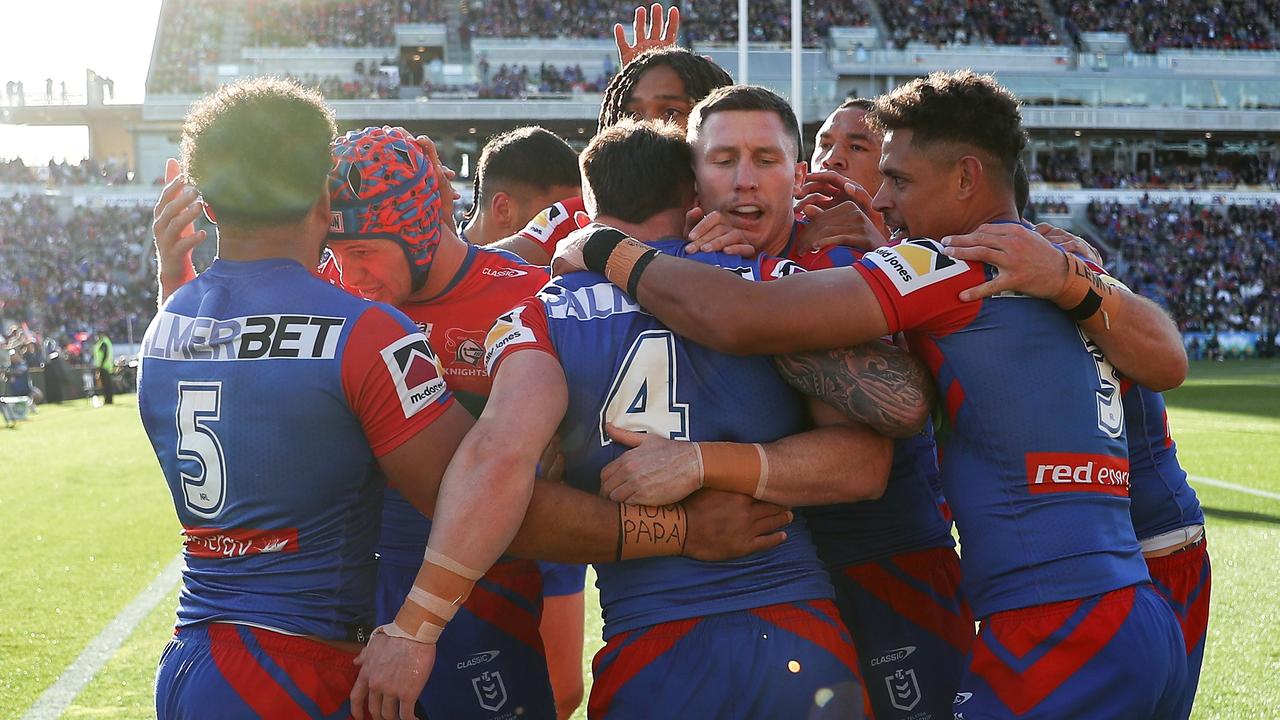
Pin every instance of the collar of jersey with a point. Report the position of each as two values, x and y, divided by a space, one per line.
458 277
223 266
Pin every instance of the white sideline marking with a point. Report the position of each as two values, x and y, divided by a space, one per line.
58 697
1233 486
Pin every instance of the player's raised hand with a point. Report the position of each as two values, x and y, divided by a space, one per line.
726 525
844 224
826 189
1070 242
710 232
393 672
173 228
655 471
1026 261
649 31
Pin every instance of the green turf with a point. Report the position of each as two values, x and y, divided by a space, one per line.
89 487
85 523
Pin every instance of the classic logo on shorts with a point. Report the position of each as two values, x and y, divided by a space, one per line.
416 372
491 692
1077 472
915 264
508 272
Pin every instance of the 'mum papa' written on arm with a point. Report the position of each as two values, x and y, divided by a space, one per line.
255 337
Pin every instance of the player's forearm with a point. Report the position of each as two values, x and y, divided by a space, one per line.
564 524
1141 341
835 464
873 383
1134 334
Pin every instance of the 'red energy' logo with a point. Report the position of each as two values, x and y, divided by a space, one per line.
1077 472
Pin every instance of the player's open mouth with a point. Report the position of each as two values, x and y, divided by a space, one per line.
747 213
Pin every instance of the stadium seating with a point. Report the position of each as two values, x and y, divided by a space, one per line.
188 41
1215 268
962 22
92 269
346 23
1219 24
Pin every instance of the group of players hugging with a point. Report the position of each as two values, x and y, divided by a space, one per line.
763 465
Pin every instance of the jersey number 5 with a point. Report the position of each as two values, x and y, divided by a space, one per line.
198 405
642 397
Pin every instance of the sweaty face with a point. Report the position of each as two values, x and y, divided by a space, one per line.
845 145
918 196
660 95
745 165
375 269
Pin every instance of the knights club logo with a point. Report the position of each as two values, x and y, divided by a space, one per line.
491 693
904 691
467 347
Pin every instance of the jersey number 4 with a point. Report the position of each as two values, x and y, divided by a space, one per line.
642 397
199 404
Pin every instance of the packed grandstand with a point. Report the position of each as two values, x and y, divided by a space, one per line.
1152 126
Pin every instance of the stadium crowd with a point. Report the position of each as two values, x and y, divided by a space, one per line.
1222 25
188 40
1251 172
90 270
58 174
346 23
1215 269
960 22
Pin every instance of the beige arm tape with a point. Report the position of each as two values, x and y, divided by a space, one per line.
442 586
734 467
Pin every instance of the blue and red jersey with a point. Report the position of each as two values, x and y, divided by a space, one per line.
268 394
1036 465
626 368
1160 497
489 283
907 517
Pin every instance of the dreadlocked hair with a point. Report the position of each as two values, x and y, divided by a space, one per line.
699 75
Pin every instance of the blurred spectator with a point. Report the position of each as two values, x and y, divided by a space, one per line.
1215 269
86 172
335 23
1217 24
1250 170
513 82
189 41
964 22
62 276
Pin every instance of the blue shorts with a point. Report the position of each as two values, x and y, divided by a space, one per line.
912 628
1184 580
490 663
560 579
775 662
1117 655
228 672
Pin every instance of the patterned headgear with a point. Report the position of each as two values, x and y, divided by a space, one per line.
382 186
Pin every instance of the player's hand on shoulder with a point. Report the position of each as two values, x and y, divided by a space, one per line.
655 471
173 226
1070 242
393 672
710 232
839 213
568 257
649 30
725 525
1027 262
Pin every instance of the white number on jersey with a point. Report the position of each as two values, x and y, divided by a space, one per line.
1110 404
198 405
642 397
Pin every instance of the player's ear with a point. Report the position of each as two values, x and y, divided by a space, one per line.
802 170
501 207
969 173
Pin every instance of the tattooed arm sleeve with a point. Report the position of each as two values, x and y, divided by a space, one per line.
874 383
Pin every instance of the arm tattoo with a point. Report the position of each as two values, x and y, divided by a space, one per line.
874 383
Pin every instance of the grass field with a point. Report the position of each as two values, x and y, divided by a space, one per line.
86 523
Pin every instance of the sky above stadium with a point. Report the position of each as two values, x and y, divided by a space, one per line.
60 39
